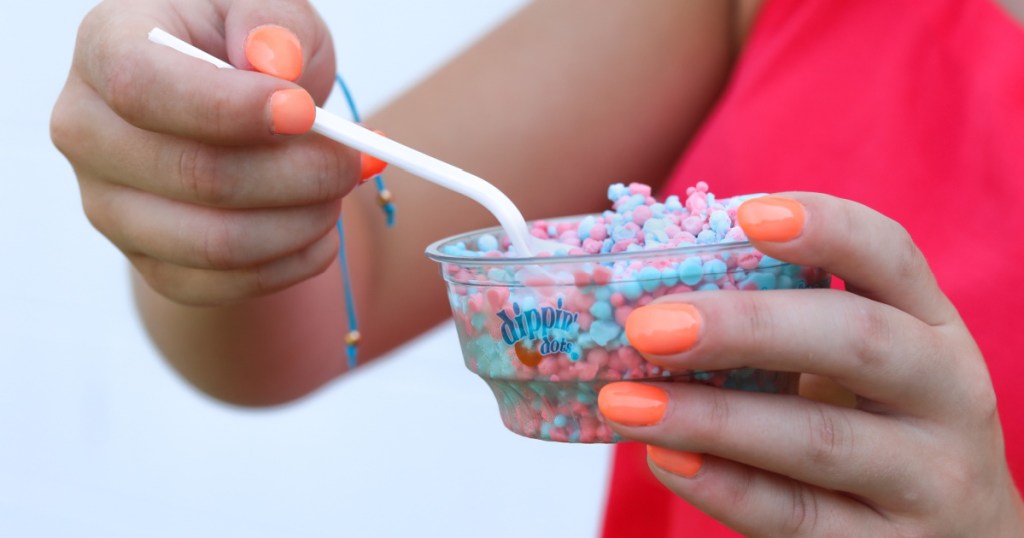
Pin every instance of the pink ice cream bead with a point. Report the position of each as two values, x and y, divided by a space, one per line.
641 215
622 314
640 188
598 356
591 246
548 366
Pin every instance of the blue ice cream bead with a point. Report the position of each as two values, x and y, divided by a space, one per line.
497 275
602 310
654 230
706 237
478 320
630 290
602 293
560 421
669 276
673 204
487 243
587 224
763 281
768 261
604 331
714 269
720 222
710 286
691 270
452 250
650 278
616 191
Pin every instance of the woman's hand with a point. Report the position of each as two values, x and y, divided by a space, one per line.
202 176
918 453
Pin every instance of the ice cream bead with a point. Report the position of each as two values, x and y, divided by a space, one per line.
546 333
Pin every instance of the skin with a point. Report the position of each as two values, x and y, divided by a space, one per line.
230 232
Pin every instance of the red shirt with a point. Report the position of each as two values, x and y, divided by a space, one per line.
913 108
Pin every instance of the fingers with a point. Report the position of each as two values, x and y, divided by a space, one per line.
831 447
880 353
202 287
757 503
310 170
161 90
200 237
874 255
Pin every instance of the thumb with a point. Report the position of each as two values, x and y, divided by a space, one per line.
283 38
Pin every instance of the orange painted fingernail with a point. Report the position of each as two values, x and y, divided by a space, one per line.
771 218
371 166
274 50
663 328
292 111
677 462
632 404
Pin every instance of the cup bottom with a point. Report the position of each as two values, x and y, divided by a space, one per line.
567 411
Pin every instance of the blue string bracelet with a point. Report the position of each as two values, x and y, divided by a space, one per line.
384 199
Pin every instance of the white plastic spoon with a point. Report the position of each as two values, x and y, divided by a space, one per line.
406 158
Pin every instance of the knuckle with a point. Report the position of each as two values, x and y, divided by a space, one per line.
124 90
200 175
62 128
715 416
828 437
908 262
333 176
222 116
217 248
981 397
873 335
802 517
758 316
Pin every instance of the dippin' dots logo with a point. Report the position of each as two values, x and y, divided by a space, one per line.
537 324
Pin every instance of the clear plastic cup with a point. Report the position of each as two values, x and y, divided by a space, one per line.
546 333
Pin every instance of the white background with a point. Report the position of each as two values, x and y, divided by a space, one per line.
99 438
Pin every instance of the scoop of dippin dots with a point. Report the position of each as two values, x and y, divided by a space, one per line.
547 332
635 222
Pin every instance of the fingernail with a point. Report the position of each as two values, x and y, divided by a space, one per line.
274 50
771 218
371 166
663 328
291 111
677 462
632 404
